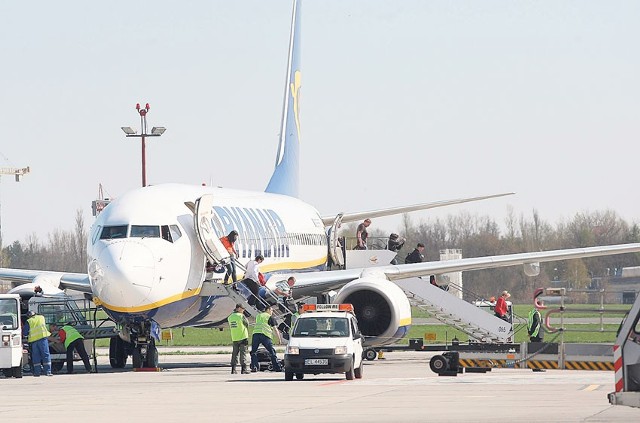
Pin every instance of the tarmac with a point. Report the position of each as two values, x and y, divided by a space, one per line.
195 384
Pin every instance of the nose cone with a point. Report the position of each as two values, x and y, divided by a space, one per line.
123 275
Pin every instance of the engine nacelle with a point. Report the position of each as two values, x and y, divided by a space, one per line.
532 269
382 308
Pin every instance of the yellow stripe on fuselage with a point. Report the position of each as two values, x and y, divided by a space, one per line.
196 292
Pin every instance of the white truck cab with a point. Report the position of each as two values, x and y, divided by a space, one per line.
324 339
10 336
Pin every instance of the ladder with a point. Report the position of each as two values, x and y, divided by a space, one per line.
452 311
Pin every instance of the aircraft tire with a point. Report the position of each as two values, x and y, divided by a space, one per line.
152 355
137 358
117 355
299 376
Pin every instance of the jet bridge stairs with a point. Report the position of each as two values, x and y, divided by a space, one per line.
481 326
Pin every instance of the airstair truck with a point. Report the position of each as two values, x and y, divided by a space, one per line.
626 360
10 336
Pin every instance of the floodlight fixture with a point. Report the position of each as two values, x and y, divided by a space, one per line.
128 130
158 130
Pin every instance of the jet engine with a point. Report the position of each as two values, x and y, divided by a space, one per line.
382 308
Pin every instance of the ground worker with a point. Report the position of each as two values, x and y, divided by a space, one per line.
72 340
239 327
297 314
38 337
262 334
534 326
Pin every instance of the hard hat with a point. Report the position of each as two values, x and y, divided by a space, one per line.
31 313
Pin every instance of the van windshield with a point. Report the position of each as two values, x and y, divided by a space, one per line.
321 327
8 313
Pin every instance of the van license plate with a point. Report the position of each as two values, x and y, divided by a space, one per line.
316 361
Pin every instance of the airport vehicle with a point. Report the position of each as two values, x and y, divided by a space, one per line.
10 336
148 251
626 360
325 339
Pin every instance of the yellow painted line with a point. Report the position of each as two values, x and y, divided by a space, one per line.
591 388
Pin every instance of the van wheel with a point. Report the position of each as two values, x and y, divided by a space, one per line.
349 373
288 376
17 371
6 372
299 376
358 372
56 366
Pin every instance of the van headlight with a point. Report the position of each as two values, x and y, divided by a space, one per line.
340 350
293 350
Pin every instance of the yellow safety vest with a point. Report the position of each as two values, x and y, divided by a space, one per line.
262 325
37 328
239 330
72 335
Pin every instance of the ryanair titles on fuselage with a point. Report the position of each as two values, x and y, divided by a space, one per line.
261 231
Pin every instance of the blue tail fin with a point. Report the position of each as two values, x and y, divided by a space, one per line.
285 176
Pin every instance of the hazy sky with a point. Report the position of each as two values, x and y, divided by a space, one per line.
402 102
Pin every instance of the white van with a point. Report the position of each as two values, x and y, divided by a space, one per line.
10 336
324 339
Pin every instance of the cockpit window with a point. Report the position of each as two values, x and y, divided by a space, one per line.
113 232
171 233
145 231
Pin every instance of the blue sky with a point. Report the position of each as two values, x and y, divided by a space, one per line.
402 102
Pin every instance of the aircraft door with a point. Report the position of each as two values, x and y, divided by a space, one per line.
335 249
207 236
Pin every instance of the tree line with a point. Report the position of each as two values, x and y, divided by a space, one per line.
475 235
480 236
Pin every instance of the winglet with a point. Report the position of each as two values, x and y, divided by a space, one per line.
285 176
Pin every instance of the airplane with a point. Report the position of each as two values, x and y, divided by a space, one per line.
149 250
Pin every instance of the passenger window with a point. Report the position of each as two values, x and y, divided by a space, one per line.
114 232
145 231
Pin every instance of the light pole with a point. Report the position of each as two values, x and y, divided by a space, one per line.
156 131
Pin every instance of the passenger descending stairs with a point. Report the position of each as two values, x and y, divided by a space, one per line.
239 295
449 309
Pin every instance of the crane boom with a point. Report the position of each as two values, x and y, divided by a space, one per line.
18 172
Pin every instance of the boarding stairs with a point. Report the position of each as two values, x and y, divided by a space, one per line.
240 294
453 311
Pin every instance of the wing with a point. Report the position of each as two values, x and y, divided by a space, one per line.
353 217
314 283
44 278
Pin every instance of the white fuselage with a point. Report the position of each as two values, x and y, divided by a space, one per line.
145 261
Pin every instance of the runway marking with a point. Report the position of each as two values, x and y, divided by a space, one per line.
591 388
333 383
